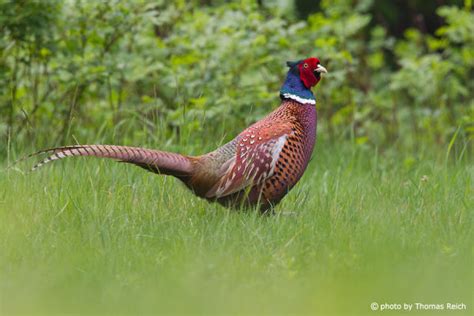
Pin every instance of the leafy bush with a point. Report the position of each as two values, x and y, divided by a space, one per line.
176 73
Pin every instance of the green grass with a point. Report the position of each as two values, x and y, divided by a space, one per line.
94 237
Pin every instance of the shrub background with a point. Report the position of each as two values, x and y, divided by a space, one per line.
170 73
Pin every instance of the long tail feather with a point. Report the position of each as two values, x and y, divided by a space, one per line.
152 160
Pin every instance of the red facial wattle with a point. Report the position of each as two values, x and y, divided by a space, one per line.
307 75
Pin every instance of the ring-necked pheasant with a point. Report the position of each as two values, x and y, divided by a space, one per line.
257 168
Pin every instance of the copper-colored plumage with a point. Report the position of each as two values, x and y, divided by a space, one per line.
258 167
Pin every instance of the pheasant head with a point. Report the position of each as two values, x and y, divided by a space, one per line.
302 76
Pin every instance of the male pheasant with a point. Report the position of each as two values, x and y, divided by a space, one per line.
257 168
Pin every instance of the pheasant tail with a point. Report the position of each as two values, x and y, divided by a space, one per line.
156 161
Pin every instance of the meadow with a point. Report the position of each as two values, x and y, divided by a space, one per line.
382 215
93 237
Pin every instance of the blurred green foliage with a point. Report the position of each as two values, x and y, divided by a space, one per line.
172 72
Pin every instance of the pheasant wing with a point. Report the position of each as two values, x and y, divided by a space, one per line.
257 153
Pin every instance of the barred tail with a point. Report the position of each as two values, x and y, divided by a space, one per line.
153 160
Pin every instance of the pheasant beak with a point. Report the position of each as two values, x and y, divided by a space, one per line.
321 69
